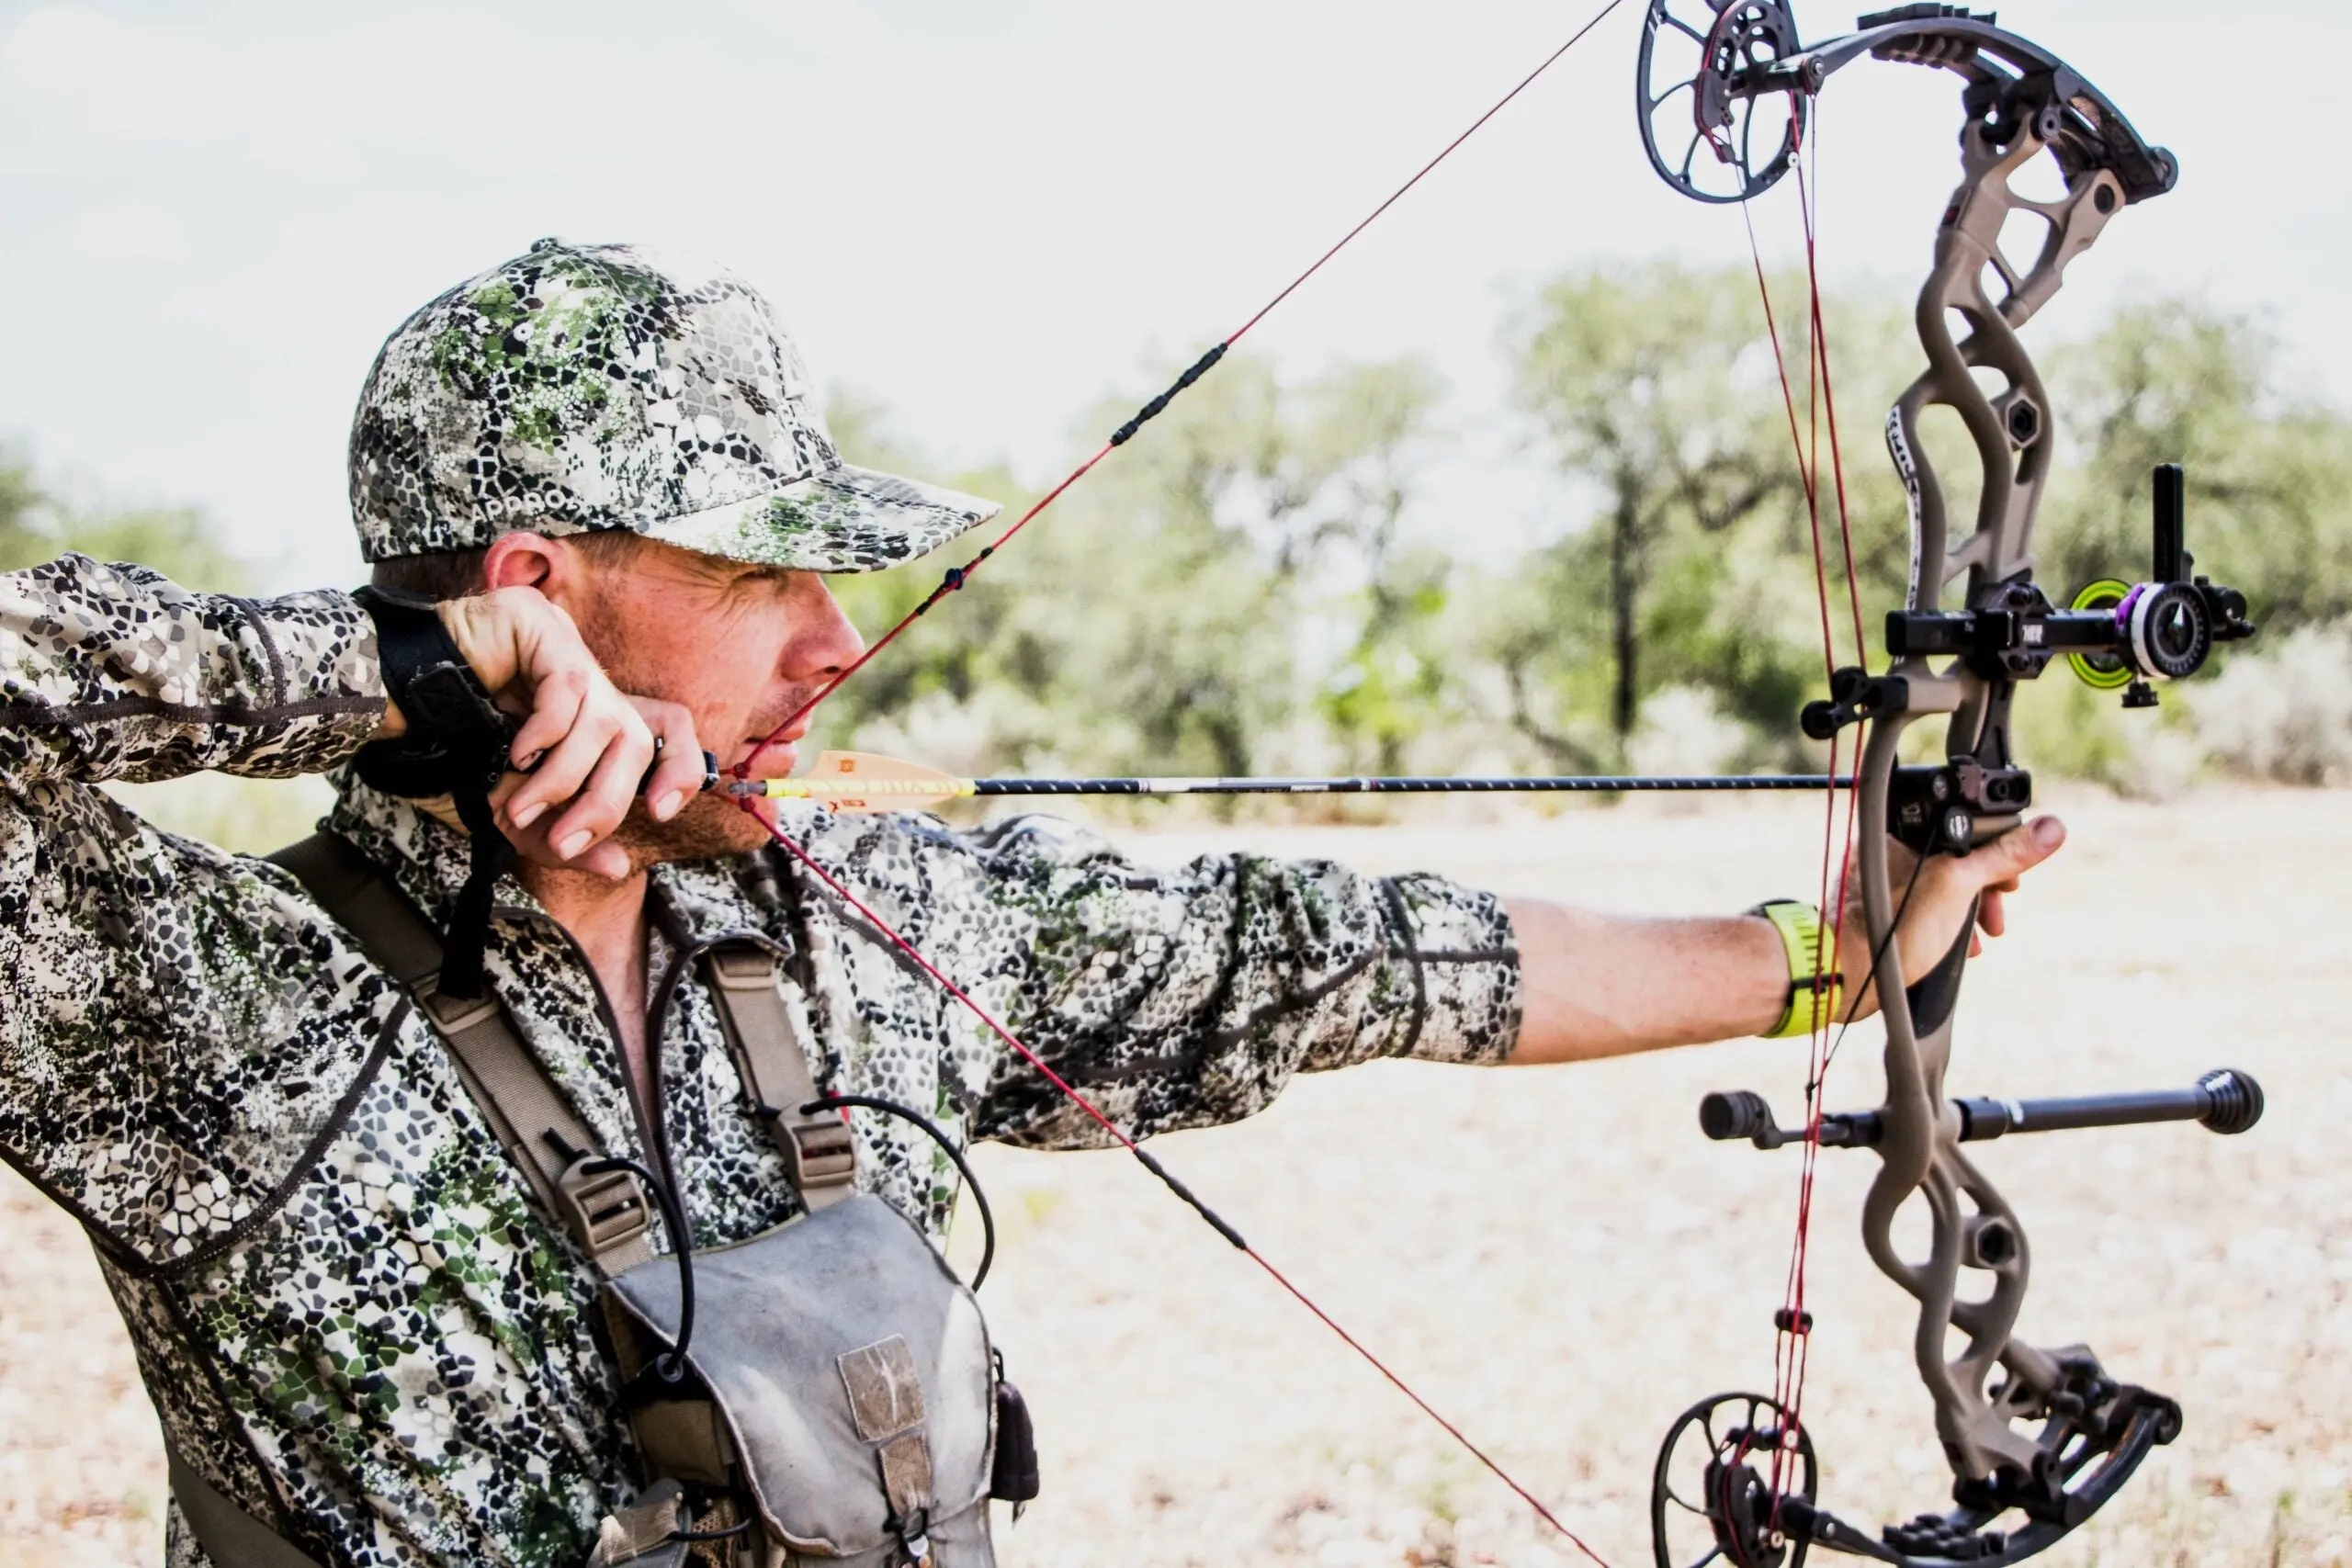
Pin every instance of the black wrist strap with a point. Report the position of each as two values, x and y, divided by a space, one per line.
455 744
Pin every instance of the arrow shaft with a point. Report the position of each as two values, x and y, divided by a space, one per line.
818 788
1579 784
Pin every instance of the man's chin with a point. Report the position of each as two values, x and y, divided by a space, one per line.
709 826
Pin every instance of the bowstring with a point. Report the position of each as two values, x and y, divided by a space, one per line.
1793 1324
955 579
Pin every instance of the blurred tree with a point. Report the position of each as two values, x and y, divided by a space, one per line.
1369 427
1244 591
21 504
245 815
1159 618
1659 396
177 541
2176 380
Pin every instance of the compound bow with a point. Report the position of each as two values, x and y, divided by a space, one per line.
2040 1449
1741 1465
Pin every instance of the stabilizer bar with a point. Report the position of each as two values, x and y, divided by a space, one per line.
2225 1100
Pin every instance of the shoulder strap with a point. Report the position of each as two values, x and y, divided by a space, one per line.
767 1031
231 1537
605 1214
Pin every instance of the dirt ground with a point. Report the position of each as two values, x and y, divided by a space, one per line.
1561 1263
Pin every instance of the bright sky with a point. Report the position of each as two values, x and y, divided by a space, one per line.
986 215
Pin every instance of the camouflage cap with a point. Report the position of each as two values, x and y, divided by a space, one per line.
580 387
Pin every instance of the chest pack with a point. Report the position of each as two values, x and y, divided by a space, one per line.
824 1391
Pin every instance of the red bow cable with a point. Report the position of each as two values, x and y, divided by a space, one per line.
955 578
1793 1322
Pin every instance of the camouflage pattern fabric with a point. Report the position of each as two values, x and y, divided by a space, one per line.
577 387
352 1317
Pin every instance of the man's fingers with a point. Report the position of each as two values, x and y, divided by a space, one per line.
677 775
2014 854
558 702
607 793
1997 867
607 860
482 625
604 858
1992 917
582 749
564 771
530 658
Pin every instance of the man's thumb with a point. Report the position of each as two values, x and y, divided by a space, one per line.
2027 846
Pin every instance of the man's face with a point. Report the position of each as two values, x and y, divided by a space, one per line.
740 647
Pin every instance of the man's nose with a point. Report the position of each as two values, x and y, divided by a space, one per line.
823 642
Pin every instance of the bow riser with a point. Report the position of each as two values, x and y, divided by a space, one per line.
2012 445
1973 1225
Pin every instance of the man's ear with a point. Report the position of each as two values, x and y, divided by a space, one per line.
525 560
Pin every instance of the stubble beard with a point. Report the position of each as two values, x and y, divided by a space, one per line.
707 827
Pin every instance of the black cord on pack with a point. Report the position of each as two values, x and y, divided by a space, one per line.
892 1108
670 1366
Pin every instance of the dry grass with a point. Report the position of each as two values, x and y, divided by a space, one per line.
1560 1262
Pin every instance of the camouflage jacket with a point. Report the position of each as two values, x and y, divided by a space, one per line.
351 1316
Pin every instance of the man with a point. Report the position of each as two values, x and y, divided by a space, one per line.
361 1326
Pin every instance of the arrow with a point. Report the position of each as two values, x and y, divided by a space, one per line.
863 781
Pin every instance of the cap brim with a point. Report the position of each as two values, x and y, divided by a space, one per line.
845 519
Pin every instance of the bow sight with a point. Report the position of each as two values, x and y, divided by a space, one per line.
2037 1439
2112 635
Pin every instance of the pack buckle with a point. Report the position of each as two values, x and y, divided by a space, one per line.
822 1150
603 1211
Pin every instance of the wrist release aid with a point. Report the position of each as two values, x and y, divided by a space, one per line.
1817 992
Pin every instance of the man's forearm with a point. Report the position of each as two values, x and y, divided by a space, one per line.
113 672
1593 985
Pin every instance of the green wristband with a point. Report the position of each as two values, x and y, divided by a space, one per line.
1816 993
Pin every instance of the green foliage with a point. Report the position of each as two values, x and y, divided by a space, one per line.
1158 617
241 814
179 542
2269 475
1693 570
1661 394
2173 380
21 504
246 814
1241 590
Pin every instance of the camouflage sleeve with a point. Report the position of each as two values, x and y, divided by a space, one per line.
113 672
1188 999
174 1027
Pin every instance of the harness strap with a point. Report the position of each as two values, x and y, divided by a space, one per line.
231 1537
607 1214
766 1028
